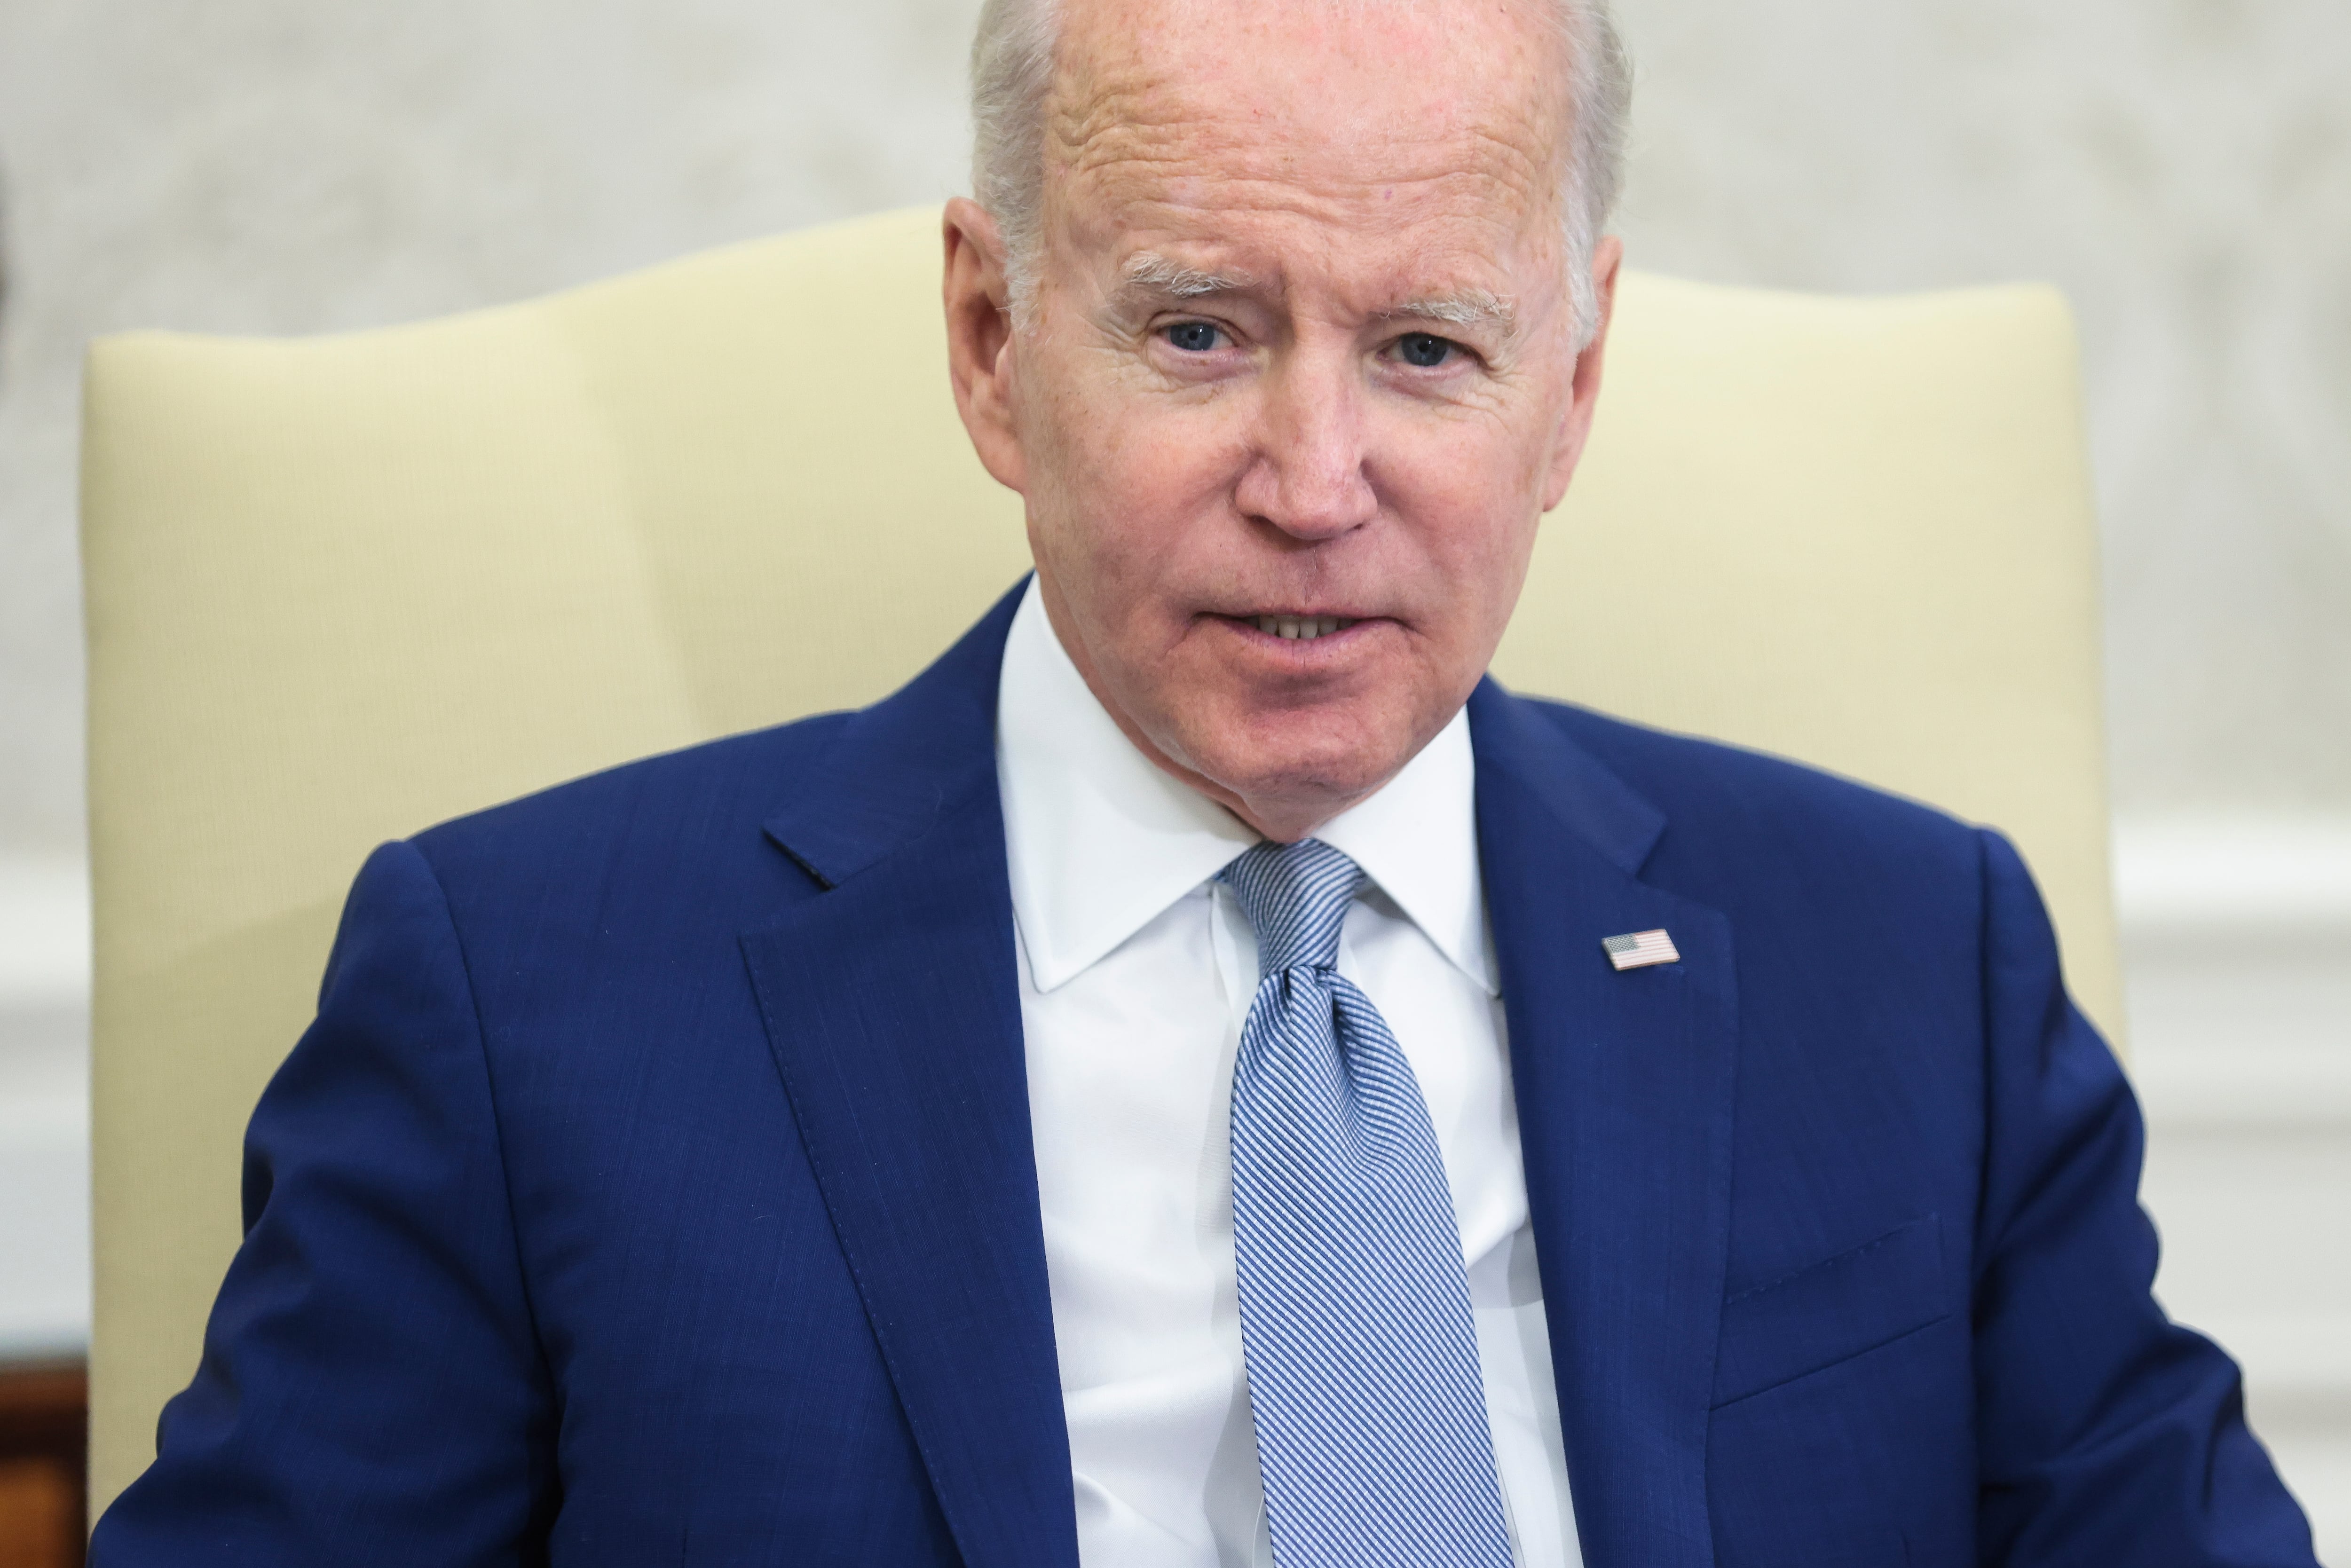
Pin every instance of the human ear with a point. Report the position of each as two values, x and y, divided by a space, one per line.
1575 422
980 341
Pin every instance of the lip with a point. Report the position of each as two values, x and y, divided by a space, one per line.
1246 626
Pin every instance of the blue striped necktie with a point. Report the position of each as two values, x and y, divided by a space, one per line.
1360 1352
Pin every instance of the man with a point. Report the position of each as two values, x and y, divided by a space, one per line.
1200 1077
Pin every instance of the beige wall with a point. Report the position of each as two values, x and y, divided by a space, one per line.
2183 169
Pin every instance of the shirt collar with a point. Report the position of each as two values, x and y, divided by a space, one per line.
1080 800
1417 839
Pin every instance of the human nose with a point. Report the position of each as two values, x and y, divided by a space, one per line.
1307 475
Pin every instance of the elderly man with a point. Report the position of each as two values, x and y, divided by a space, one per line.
1200 1077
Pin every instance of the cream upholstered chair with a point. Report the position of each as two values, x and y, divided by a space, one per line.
340 589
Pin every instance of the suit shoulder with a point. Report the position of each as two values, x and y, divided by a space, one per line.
716 789
1716 792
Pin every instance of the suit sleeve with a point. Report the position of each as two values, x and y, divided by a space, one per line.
2107 1434
371 1391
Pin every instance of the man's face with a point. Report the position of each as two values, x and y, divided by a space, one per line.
1299 378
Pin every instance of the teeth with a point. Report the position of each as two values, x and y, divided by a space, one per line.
1302 628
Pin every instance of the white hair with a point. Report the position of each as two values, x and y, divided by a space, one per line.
1012 74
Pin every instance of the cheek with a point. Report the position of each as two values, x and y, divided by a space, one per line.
1136 488
1471 492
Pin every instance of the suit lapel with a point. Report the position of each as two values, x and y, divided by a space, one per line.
891 1000
1623 1084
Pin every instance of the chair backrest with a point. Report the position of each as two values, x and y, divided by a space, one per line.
340 589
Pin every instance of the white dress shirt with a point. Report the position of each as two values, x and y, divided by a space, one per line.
1137 970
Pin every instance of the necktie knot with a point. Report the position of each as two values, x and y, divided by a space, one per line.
1295 897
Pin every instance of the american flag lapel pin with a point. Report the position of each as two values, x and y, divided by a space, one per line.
1639 949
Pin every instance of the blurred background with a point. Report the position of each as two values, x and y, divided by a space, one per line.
2181 168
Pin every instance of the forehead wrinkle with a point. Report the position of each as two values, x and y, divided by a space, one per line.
1175 196
1120 111
1196 154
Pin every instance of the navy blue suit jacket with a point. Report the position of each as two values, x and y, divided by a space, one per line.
655 1185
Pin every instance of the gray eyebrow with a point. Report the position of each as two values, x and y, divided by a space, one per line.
1149 270
1469 307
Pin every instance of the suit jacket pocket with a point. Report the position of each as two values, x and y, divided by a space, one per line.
1832 1310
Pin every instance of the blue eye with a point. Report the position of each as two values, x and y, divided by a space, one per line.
1193 337
1424 351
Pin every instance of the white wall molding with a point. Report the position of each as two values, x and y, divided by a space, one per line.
44 1107
2228 877
2236 963
43 932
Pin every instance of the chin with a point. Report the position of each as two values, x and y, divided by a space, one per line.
1294 755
